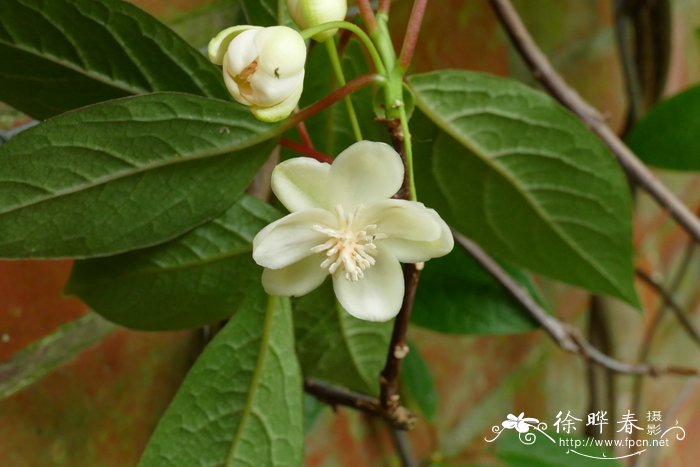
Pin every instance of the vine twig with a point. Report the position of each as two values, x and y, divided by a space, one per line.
367 15
564 335
412 31
543 71
402 418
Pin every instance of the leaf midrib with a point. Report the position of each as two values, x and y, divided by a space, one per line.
220 151
450 130
254 381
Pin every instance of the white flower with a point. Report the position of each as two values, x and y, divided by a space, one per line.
308 13
522 425
263 68
343 222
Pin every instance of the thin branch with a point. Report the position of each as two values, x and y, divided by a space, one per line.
403 448
42 357
401 418
304 135
305 150
384 7
412 32
367 15
352 86
566 337
670 302
398 347
542 69
629 67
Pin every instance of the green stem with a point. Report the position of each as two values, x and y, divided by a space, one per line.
364 38
340 76
408 152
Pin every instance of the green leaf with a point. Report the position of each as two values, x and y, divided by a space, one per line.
241 403
64 54
191 281
336 347
418 384
456 296
125 174
526 180
266 12
667 137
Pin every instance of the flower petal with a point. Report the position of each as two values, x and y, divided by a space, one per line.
400 218
508 424
219 44
378 295
282 51
416 251
280 111
296 279
301 183
290 239
232 85
365 172
268 90
242 51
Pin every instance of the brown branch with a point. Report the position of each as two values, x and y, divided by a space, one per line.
412 32
564 335
304 135
398 347
402 418
351 86
670 302
384 7
304 150
542 70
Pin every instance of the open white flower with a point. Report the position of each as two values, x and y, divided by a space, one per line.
308 13
263 68
520 423
343 222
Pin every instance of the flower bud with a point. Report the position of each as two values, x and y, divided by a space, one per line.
263 68
308 13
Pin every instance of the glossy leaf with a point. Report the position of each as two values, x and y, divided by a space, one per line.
64 54
417 383
125 174
241 403
667 137
456 296
196 279
525 179
336 347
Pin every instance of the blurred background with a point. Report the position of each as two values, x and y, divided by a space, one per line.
99 408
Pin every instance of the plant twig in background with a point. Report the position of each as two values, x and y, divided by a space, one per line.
566 337
670 303
402 418
367 15
40 358
403 448
305 150
412 32
543 71
384 7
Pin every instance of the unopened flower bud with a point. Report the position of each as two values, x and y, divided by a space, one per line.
308 13
263 68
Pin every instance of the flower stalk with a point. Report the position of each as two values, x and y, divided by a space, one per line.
340 76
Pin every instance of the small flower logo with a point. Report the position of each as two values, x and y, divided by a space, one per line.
521 424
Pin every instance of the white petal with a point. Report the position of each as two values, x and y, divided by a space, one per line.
290 239
232 86
309 13
219 44
282 50
242 50
296 279
365 172
400 218
522 427
417 250
301 183
268 90
280 111
378 295
509 424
